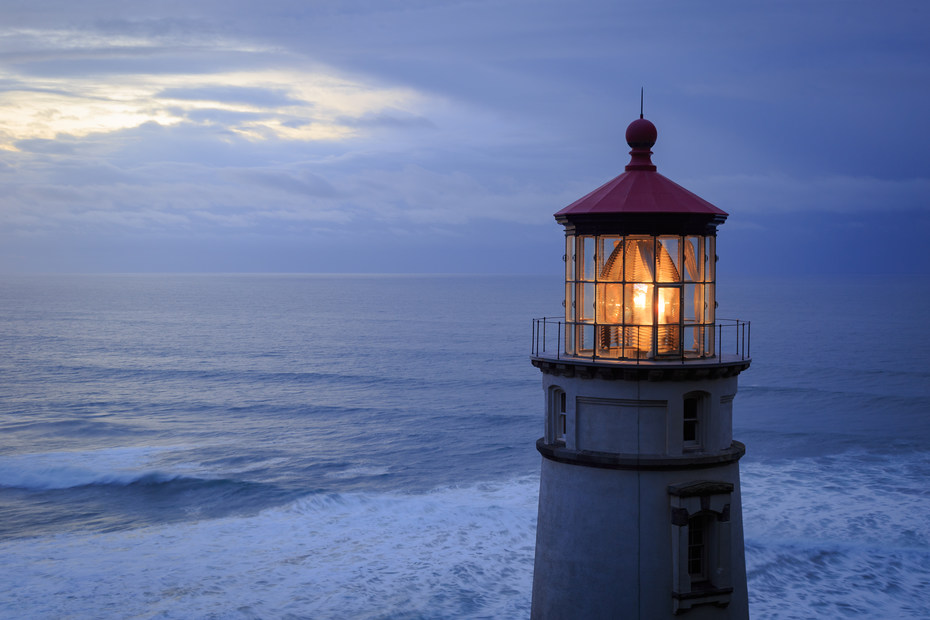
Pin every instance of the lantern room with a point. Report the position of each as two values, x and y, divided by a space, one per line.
640 260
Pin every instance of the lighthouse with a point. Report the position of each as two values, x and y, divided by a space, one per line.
639 493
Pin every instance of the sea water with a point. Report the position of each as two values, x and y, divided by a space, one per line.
307 446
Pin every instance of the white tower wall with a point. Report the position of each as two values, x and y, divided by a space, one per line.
620 489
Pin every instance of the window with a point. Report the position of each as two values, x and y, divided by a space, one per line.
639 296
558 419
690 422
701 543
698 549
692 415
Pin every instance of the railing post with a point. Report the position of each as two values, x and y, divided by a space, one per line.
744 340
544 334
748 338
720 343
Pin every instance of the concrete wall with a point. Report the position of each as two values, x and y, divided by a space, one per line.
612 536
641 416
605 544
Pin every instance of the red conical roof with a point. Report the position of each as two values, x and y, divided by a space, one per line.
640 189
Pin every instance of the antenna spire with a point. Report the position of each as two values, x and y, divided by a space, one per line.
641 101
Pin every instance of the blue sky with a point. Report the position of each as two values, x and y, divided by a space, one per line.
430 136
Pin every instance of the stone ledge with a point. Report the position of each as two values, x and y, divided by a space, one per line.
706 592
699 488
707 595
643 371
608 460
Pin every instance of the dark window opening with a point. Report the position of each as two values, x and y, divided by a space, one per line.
690 421
697 549
558 419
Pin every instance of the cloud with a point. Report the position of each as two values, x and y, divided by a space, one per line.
419 125
301 183
42 145
390 119
77 82
288 104
258 97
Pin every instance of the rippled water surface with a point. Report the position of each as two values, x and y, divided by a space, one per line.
264 446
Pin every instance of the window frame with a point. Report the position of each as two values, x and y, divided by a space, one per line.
596 287
557 415
706 503
701 401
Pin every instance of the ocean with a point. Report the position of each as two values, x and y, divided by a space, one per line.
363 446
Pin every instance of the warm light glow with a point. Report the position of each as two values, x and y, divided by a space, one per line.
668 308
639 296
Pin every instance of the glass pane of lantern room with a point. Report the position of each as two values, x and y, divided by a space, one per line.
668 333
669 260
585 335
692 340
584 305
637 342
690 307
570 301
669 309
694 259
710 337
709 303
587 248
639 259
609 303
569 257
710 259
610 259
637 304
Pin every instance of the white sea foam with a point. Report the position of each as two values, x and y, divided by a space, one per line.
114 466
459 553
358 472
840 536
64 470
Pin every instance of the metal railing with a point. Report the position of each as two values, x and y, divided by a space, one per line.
731 341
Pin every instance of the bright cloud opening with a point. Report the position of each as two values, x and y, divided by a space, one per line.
288 104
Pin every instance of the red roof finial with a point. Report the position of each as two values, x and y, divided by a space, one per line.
641 136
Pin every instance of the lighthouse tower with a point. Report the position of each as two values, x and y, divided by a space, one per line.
639 497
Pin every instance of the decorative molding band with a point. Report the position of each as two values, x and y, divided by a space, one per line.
608 460
700 488
708 593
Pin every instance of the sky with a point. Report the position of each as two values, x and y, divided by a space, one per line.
431 136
